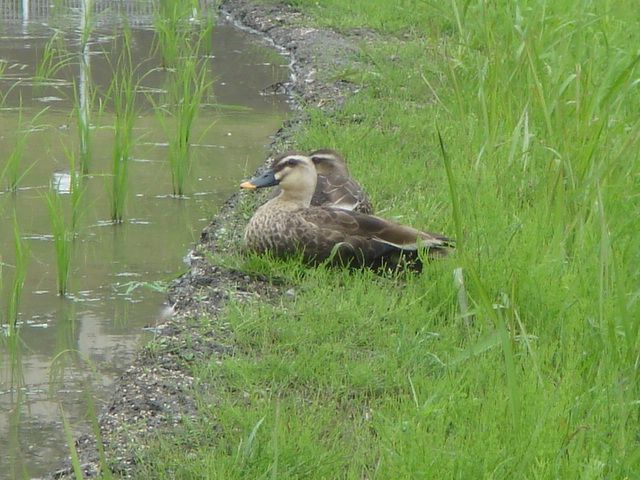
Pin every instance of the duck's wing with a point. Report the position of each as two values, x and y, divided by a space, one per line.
367 237
341 192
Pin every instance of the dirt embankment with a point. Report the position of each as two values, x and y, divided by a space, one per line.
154 393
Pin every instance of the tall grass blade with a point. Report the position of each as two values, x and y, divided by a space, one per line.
452 191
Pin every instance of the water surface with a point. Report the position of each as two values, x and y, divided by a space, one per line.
113 266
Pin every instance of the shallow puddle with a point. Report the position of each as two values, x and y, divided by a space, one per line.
74 347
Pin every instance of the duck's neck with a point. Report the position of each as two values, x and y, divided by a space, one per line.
293 200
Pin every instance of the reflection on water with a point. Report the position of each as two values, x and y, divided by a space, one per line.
99 325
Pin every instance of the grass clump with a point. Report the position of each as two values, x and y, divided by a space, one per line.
523 117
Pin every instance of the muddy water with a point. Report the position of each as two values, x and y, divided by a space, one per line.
72 348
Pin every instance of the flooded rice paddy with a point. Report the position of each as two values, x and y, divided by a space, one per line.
65 350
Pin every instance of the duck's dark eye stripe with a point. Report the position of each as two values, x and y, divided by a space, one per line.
289 162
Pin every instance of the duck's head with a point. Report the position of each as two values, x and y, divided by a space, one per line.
294 172
329 162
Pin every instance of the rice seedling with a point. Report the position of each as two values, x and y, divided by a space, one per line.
83 90
65 226
18 466
12 174
19 273
169 22
188 86
68 433
54 57
92 414
122 91
83 118
77 194
62 239
81 362
182 35
175 23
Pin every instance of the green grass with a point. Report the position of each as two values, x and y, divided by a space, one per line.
513 127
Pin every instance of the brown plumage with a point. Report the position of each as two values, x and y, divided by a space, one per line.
334 186
288 224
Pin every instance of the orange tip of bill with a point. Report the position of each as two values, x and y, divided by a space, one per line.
247 185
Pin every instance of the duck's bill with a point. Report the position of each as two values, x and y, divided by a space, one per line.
267 179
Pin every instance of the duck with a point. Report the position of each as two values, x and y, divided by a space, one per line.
335 187
290 225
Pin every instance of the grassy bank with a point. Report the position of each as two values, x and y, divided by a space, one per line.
355 375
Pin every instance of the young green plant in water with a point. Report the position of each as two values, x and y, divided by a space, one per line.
65 230
53 59
62 239
12 173
123 93
174 26
187 86
83 90
20 270
187 90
